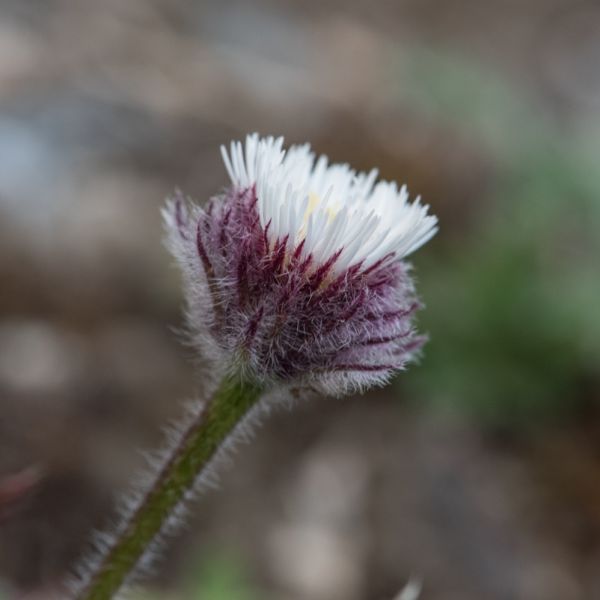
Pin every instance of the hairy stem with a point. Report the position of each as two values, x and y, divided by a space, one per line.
178 475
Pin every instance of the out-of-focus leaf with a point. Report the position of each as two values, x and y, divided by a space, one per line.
221 577
511 307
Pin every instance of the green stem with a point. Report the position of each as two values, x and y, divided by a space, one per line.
197 446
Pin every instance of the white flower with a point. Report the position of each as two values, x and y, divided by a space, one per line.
329 206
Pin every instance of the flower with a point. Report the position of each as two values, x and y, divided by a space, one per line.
295 273
293 277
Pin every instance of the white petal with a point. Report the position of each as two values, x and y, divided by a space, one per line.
330 206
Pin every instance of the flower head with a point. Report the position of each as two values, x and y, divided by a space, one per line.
295 273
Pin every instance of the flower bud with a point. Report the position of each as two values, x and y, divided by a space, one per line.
295 275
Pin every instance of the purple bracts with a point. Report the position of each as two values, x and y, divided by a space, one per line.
266 309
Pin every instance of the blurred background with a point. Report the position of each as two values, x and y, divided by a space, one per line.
478 471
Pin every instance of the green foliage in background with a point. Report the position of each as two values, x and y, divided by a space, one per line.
512 306
219 576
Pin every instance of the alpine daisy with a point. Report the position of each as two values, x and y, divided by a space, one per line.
294 276
295 273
